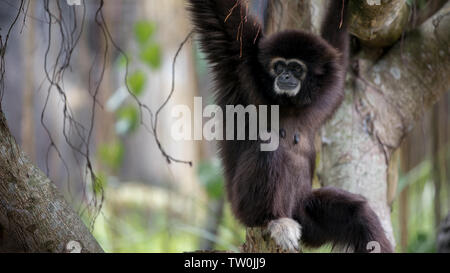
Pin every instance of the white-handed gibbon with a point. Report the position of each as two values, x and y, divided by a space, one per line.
305 75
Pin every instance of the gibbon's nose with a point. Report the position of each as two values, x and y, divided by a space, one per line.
285 77
287 81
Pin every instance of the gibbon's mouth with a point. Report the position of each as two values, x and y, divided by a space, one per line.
289 89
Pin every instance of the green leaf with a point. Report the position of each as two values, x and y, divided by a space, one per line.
136 82
122 61
127 120
151 55
143 31
111 154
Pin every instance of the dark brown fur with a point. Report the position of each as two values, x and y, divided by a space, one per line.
265 186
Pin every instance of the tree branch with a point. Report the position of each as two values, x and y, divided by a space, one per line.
294 14
419 17
409 79
34 217
378 24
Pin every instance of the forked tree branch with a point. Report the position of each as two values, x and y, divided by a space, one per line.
409 79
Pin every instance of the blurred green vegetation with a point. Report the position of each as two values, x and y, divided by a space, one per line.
134 227
139 218
421 193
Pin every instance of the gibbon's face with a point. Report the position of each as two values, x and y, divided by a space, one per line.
288 75
297 66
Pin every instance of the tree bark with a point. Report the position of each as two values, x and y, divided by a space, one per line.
34 217
294 14
378 23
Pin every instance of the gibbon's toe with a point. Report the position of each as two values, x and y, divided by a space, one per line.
286 233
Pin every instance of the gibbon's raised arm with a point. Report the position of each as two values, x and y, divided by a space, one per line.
228 35
225 27
334 30
335 26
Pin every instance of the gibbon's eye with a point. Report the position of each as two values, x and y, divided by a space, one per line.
279 67
296 69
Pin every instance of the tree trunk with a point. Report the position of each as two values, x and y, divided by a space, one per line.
34 217
383 101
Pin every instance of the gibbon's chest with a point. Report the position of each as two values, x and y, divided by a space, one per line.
295 139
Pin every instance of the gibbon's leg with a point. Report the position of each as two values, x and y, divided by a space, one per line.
331 215
262 194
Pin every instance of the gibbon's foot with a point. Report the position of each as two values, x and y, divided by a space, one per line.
286 232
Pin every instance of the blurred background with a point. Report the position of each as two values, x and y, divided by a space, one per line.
149 205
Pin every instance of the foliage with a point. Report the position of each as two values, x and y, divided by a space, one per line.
127 120
143 31
127 114
151 55
136 82
135 222
111 154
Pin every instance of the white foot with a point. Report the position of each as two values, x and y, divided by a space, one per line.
286 232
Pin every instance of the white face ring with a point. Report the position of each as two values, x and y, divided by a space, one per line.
288 92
